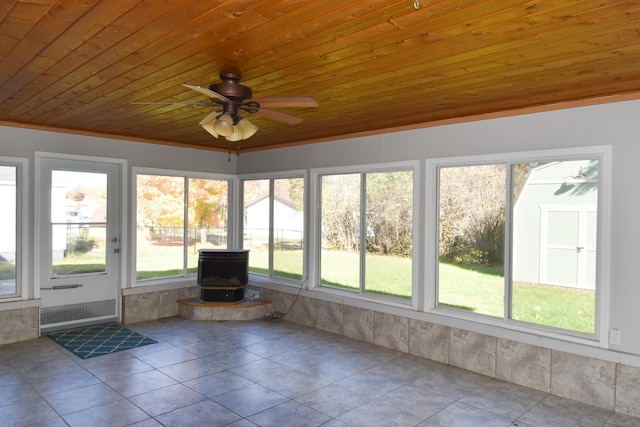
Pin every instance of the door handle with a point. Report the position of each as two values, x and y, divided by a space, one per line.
60 287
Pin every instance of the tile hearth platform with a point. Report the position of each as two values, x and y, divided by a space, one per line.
195 309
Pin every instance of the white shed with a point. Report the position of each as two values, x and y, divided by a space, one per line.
555 224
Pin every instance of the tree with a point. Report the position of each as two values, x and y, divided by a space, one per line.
207 202
341 211
390 212
388 207
291 190
472 208
160 200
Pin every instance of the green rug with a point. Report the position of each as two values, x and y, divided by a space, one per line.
98 340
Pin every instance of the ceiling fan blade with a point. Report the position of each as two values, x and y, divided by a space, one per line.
285 118
286 101
207 92
199 104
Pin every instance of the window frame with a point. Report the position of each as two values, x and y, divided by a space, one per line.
603 154
272 177
22 231
185 175
316 239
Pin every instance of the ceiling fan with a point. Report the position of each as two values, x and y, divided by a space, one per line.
234 98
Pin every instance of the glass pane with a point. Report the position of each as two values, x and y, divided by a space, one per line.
78 222
207 223
554 244
8 230
160 226
288 228
471 238
84 249
388 269
256 224
340 251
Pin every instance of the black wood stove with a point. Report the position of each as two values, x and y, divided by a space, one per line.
223 274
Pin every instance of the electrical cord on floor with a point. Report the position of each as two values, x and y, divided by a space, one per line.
277 316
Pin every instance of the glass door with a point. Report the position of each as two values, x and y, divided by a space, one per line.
80 244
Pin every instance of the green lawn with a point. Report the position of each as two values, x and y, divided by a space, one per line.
287 263
81 263
388 275
475 289
384 274
153 261
565 308
162 261
481 290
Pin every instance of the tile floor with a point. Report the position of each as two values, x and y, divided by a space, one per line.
259 373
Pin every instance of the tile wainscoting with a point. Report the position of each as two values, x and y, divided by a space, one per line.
152 305
19 324
608 385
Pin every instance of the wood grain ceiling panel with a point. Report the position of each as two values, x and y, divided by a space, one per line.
372 65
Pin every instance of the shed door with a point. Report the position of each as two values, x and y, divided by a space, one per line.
569 247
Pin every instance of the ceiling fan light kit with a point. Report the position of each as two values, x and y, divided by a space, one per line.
234 129
234 97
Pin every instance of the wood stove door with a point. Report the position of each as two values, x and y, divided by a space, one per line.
79 253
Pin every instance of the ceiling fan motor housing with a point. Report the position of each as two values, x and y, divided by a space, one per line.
231 87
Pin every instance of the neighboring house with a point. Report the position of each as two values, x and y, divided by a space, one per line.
288 222
555 223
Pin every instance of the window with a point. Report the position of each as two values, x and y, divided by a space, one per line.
518 240
177 215
366 226
78 215
273 226
10 226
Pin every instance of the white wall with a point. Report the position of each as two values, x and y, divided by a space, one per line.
25 142
615 124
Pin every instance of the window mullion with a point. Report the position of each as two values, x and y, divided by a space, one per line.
271 222
363 230
185 228
508 238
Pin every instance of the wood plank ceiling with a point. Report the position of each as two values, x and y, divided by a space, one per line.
78 65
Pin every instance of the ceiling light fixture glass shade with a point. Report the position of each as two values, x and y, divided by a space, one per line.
209 128
224 125
207 123
235 136
246 129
